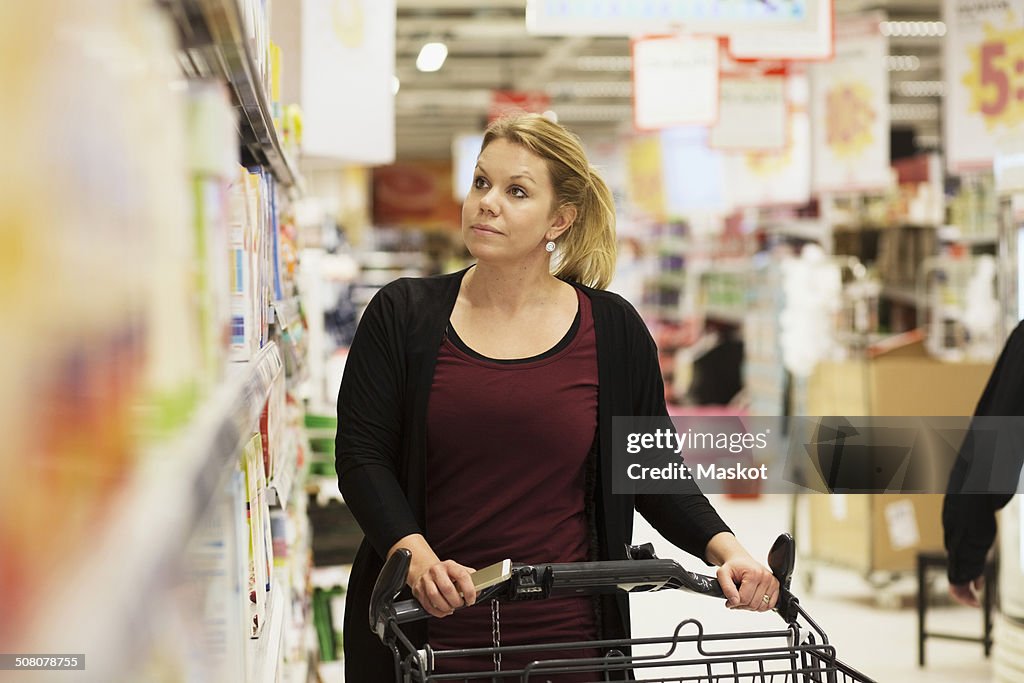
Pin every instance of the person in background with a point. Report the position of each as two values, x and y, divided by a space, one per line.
475 416
969 519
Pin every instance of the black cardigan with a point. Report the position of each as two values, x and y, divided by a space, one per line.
381 444
969 519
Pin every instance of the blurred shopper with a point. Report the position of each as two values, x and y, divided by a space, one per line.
475 415
969 519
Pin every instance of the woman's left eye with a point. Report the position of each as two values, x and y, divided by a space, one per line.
517 192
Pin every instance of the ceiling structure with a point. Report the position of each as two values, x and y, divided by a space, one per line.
587 78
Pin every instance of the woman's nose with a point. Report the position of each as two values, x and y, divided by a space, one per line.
488 202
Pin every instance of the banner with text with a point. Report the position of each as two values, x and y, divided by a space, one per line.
721 454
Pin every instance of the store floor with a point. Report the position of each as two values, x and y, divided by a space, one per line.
881 642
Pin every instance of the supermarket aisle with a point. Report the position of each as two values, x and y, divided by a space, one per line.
880 642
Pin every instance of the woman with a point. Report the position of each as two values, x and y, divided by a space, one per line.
475 414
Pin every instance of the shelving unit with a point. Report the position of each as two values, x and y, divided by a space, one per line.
139 551
215 47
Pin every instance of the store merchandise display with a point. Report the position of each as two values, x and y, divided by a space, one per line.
153 526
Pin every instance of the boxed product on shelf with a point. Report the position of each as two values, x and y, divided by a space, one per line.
252 237
212 161
257 515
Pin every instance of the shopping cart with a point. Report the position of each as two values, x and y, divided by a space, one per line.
798 653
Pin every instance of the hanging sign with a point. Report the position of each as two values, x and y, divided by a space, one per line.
505 102
806 43
773 178
645 178
751 114
635 17
337 98
675 82
850 107
692 173
984 70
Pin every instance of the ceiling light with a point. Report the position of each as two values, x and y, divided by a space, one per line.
913 112
431 57
594 63
903 62
912 29
395 85
921 88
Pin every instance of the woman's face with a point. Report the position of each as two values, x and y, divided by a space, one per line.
508 214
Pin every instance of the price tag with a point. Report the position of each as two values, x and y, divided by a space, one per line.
985 79
996 81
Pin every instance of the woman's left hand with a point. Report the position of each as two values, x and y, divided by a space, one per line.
748 584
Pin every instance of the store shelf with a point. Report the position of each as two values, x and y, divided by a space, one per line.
215 46
903 295
814 230
264 655
98 604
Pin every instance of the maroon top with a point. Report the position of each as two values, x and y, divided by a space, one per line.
507 447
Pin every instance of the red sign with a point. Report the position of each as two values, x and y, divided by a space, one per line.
504 102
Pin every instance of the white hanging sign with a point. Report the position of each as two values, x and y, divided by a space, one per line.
773 178
850 108
635 17
984 67
675 82
348 60
806 43
751 114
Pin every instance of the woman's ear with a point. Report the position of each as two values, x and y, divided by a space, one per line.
562 220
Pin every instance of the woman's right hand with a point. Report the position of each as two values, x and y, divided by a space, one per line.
441 587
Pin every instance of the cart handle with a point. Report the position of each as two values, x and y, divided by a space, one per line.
533 582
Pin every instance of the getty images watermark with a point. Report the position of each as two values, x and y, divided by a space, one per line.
725 454
680 442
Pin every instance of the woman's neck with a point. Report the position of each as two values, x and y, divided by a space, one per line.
509 289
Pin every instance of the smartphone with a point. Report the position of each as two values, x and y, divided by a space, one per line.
491 575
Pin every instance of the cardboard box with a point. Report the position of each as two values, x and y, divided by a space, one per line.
897 378
874 532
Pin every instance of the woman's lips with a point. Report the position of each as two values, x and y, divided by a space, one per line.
486 229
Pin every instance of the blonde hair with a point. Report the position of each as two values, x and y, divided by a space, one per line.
587 248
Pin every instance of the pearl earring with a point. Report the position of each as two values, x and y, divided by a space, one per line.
549 247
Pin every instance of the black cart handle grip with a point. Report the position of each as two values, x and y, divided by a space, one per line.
582 578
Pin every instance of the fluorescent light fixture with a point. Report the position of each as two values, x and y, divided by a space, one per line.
913 112
903 62
921 88
431 57
596 63
912 29
395 85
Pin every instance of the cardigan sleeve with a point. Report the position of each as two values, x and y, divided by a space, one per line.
368 445
686 519
969 519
